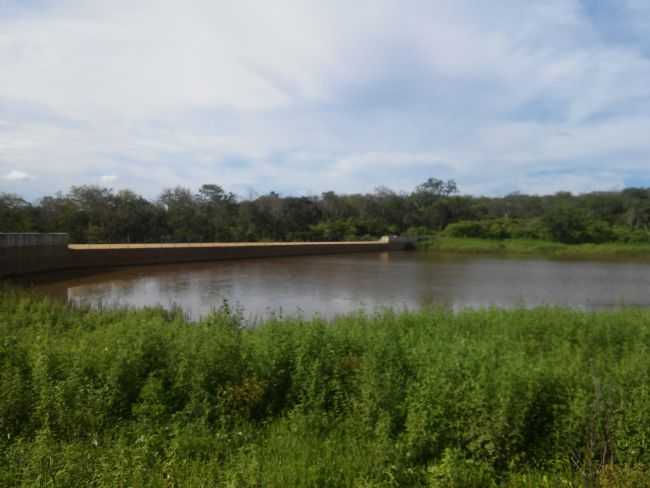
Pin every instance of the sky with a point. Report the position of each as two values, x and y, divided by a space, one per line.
303 96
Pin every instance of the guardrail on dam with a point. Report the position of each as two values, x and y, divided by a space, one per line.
35 253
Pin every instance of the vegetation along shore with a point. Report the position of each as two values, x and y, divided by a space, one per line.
533 247
93 214
542 397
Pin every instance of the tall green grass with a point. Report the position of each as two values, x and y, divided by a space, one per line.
611 250
543 397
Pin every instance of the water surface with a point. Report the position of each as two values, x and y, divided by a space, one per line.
331 285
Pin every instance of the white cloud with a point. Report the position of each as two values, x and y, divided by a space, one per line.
319 95
107 179
15 175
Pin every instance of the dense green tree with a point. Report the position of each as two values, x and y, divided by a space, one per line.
218 208
135 219
297 215
15 213
96 206
432 190
97 214
638 215
184 222
566 224
60 213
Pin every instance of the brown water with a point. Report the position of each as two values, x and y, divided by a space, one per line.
331 285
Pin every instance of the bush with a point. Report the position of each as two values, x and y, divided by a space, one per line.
630 235
563 225
496 229
418 231
469 228
543 397
575 226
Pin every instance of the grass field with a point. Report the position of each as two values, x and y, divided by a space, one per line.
543 397
611 250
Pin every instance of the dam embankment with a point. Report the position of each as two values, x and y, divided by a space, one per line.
22 254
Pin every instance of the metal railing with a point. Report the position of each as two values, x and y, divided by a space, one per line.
33 239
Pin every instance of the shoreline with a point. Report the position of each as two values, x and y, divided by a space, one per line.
525 247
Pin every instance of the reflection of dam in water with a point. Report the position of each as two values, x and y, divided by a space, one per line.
335 284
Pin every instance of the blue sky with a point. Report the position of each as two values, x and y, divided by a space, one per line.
302 97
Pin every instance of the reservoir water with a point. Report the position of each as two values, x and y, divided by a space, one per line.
330 285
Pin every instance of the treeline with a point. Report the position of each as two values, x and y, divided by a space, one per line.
96 214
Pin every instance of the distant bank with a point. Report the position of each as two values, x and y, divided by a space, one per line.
533 247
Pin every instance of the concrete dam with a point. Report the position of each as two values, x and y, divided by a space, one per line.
22 254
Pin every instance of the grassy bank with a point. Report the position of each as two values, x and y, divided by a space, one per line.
544 397
537 247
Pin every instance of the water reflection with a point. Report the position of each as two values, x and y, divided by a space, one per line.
331 285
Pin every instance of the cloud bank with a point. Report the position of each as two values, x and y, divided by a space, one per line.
307 96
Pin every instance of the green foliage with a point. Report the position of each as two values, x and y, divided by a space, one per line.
418 231
564 225
505 228
543 397
334 230
536 247
455 471
567 225
95 214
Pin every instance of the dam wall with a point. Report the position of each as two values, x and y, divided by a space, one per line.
32 253
37 253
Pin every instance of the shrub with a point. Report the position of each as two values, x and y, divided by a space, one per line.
541 397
